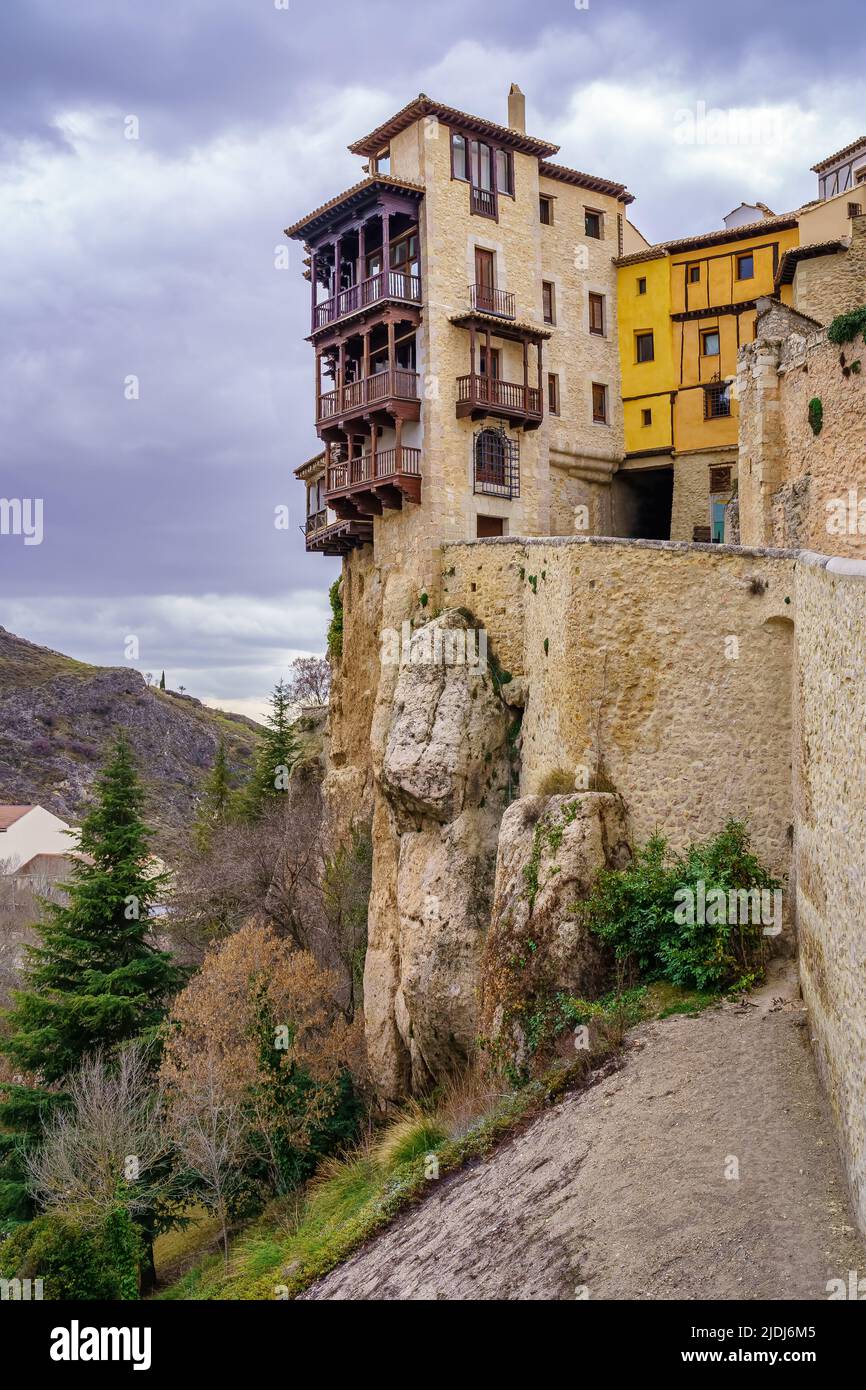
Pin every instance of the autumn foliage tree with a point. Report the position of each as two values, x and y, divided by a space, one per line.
258 1046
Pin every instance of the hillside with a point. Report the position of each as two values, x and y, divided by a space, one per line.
57 715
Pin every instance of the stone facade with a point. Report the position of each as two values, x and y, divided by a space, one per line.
798 488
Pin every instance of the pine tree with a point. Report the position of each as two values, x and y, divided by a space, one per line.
278 751
217 799
162 681
94 980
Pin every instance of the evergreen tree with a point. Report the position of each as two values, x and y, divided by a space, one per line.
162 681
217 799
277 753
94 980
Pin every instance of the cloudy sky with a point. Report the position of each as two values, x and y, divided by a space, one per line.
154 258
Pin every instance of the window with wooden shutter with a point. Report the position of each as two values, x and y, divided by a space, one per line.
596 314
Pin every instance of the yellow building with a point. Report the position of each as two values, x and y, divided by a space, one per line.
685 309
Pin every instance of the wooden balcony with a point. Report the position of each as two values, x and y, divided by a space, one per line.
392 393
489 300
483 202
478 396
377 479
336 537
384 287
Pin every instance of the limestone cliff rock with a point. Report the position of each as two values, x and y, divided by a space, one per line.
441 756
550 850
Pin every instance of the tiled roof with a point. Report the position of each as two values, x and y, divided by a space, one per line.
840 154
352 195
784 222
593 182
10 814
788 263
422 105
497 323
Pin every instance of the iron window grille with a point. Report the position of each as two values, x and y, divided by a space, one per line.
717 400
496 463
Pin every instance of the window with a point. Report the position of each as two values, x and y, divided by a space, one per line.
854 209
553 393
496 463
641 285
644 347
717 401
459 157
485 281
860 176
545 210
599 403
596 314
505 172
746 267
548 301
404 254
710 343
494 362
646 417
592 223
481 165
694 274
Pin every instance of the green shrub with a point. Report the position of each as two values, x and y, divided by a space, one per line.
335 628
816 415
76 1261
634 910
845 327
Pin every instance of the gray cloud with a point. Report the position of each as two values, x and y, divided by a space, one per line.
155 257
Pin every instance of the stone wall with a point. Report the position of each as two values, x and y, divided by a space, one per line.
829 285
797 488
658 667
830 853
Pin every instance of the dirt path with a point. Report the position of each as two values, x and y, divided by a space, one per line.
621 1190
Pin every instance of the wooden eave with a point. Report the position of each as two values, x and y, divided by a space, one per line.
311 467
346 202
501 327
592 182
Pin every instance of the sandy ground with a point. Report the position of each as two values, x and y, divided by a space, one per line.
620 1191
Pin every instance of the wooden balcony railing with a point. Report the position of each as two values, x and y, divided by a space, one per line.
371 468
483 201
489 300
316 521
510 397
385 284
395 383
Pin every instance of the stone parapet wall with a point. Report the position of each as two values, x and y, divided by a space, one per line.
830 840
659 667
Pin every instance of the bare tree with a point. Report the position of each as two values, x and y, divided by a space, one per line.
102 1151
309 680
212 1136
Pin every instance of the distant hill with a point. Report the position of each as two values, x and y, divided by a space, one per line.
57 716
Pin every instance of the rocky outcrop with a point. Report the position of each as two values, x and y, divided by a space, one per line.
550 850
441 757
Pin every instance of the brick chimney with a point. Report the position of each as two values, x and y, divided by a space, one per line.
516 109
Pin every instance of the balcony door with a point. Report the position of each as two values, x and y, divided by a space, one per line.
484 279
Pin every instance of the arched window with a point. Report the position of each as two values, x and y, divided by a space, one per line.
496 463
